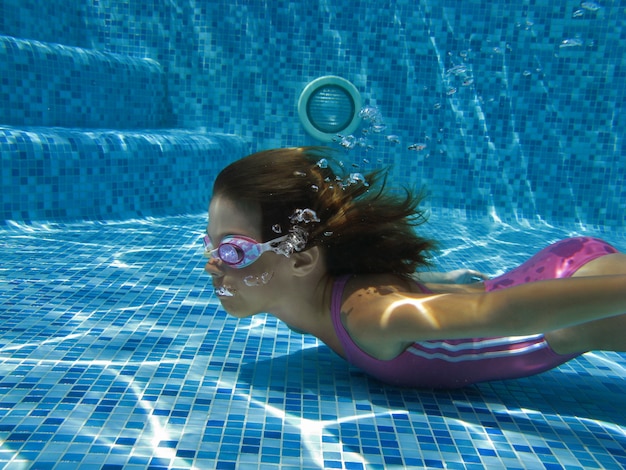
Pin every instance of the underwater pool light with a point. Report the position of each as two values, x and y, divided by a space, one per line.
329 106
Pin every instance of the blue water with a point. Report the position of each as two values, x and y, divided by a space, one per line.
114 119
116 354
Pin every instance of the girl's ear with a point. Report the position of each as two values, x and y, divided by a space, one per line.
304 262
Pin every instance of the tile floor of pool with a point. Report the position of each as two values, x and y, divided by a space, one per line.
114 354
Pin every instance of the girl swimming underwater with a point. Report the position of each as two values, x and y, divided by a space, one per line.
336 255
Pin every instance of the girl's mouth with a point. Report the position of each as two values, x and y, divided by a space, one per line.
222 291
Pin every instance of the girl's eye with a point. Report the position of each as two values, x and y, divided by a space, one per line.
230 254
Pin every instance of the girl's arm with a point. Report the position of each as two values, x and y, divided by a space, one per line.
458 276
531 308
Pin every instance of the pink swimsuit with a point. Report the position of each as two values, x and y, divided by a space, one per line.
456 363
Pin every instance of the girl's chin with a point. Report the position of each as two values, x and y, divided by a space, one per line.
233 310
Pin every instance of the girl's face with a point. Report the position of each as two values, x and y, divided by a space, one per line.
251 289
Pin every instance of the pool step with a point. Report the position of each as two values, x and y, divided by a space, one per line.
78 174
84 135
45 84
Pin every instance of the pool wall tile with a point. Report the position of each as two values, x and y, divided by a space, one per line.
517 107
114 119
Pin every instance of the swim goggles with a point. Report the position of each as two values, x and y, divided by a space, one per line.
238 251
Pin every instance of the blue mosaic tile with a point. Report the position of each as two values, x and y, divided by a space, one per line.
518 107
48 84
70 174
127 360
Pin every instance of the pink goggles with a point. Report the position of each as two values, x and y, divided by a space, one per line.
238 251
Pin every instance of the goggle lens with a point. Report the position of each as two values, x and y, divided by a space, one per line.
230 254
239 251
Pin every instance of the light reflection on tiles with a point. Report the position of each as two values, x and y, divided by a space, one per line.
115 354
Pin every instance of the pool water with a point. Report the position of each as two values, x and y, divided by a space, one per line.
115 353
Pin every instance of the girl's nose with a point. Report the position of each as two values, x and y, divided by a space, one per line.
213 266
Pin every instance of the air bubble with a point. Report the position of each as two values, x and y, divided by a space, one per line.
277 228
296 241
223 292
256 281
363 142
370 113
356 178
304 215
285 249
571 42
417 147
457 70
252 281
323 163
347 142
590 6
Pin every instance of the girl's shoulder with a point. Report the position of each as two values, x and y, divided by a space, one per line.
383 284
366 299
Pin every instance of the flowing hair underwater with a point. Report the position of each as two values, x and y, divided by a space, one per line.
362 226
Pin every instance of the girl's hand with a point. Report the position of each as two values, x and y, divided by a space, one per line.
458 276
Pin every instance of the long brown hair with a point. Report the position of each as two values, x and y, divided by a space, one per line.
361 225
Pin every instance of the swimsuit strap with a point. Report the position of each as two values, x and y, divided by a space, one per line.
335 306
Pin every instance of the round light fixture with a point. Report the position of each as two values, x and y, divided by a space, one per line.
329 106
